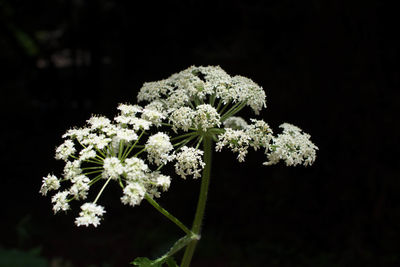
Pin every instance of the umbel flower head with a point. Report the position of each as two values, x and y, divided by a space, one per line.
177 115
199 97
112 150
206 99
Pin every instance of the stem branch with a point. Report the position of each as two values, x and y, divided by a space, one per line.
168 215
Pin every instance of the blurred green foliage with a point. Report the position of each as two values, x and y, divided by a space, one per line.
19 258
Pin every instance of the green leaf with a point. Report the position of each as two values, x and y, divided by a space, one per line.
171 262
181 243
145 262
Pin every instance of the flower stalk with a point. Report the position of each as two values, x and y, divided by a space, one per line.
201 204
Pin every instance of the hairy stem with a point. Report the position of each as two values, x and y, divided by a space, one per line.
201 204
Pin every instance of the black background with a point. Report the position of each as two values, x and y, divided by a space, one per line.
329 67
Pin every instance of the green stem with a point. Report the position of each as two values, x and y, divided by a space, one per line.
168 215
121 146
94 180
200 139
91 168
229 110
141 151
101 152
184 142
219 105
201 204
97 171
212 99
93 161
183 136
224 107
235 109
101 190
126 153
166 124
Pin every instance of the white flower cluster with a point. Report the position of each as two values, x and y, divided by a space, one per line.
237 140
134 192
258 134
50 182
206 117
292 146
113 168
187 97
65 150
203 117
90 214
189 162
102 151
245 90
158 149
182 118
80 187
235 123
60 201
199 100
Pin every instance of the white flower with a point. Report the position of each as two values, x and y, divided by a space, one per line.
216 78
249 92
203 83
260 134
156 105
60 201
206 116
189 162
153 90
99 141
90 214
65 150
140 124
154 181
111 130
87 153
195 84
79 134
72 169
158 147
153 115
129 110
163 181
80 187
136 123
123 119
182 118
135 169
134 193
113 168
126 135
237 140
189 81
292 146
50 182
98 122
177 99
235 123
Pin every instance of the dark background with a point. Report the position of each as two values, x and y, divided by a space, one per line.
330 67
